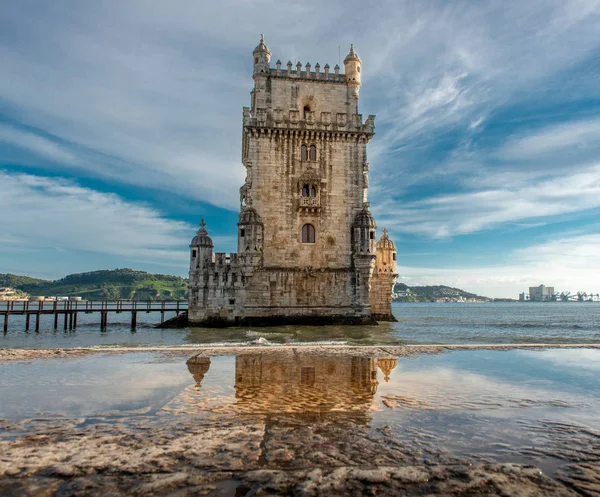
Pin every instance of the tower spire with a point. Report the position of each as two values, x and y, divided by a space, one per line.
202 230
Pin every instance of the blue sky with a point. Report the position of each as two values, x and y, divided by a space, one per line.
120 126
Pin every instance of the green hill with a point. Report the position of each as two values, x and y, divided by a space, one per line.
431 293
107 284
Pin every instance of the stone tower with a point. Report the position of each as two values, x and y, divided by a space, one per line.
306 237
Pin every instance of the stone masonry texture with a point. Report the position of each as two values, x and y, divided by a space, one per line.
307 248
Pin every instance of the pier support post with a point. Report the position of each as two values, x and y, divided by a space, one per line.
75 320
71 320
66 320
37 322
6 323
133 320
162 317
55 320
103 319
27 321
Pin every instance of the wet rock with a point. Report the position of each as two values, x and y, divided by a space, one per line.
584 478
450 481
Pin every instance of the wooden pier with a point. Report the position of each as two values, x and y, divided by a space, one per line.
69 310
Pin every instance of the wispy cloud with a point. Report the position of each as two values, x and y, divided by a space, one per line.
63 215
37 144
569 137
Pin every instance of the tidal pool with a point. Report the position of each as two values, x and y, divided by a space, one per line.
307 421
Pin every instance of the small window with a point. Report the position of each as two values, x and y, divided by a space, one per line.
256 60
394 257
231 301
243 232
308 233
313 153
306 111
305 191
217 277
358 69
303 153
194 253
233 277
372 235
313 191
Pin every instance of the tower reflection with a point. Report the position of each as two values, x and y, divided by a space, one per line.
290 382
304 382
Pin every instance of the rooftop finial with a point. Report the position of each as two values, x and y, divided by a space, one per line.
262 39
202 230
385 232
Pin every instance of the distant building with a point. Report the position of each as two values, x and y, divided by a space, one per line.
522 297
540 293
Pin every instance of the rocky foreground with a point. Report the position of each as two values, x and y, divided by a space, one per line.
259 455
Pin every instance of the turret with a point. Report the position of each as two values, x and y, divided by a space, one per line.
201 249
363 233
386 255
352 69
387 365
384 279
262 57
250 232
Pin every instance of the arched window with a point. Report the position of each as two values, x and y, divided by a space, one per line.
303 153
306 111
313 191
305 191
313 153
308 233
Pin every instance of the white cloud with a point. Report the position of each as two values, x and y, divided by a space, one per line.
539 144
48 213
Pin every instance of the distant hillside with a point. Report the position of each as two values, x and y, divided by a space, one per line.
431 293
113 284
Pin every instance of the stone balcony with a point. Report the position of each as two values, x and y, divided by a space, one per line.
310 204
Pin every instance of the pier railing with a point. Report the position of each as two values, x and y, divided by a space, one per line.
70 310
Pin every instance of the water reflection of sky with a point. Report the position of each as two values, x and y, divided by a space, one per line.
477 380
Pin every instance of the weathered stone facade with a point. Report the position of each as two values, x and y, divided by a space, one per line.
306 237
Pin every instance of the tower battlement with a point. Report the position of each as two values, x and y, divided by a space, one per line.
325 76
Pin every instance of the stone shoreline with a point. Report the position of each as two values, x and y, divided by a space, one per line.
16 354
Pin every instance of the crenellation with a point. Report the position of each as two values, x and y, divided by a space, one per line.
306 236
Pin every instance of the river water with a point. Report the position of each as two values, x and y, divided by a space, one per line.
422 323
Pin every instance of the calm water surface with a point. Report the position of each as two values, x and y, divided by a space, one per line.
424 323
